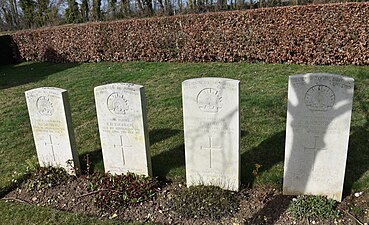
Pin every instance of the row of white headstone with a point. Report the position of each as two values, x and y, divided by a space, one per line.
317 131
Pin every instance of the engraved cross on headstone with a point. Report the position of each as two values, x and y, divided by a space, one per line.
52 146
211 148
122 147
315 149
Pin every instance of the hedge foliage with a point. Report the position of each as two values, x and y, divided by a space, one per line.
314 34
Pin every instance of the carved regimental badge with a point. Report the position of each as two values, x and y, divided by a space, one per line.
319 98
209 100
117 104
44 106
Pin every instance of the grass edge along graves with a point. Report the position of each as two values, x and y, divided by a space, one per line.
209 97
249 76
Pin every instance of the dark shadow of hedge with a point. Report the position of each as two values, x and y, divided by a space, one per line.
15 75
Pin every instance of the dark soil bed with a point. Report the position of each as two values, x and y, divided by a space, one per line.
260 205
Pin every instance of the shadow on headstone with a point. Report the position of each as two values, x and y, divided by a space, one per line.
317 133
212 132
168 160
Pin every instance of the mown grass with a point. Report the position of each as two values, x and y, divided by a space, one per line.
14 213
263 100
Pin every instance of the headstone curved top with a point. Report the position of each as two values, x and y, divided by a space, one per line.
212 132
317 134
51 123
122 119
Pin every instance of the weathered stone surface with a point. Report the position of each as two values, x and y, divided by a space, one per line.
317 134
121 113
212 132
51 123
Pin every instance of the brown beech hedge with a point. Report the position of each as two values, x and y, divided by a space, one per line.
314 34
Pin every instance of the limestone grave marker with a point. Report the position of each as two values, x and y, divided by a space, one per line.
121 114
317 134
51 123
212 132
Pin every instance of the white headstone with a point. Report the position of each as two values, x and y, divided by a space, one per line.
51 123
121 115
212 132
317 134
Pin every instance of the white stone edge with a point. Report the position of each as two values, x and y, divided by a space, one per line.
324 74
61 90
121 84
210 78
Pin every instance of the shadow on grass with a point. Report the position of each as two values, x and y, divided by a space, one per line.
158 135
358 152
357 157
272 210
267 154
15 75
94 159
7 189
168 160
244 133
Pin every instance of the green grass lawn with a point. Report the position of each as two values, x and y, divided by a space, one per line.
263 101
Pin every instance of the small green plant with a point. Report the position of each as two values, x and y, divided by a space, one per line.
255 171
205 202
116 191
313 207
357 210
45 177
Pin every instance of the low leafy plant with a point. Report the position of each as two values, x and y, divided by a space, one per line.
205 202
46 177
255 171
313 207
116 191
357 210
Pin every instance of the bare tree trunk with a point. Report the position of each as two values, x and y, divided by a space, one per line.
180 7
125 9
140 6
168 8
14 10
112 9
84 10
190 4
96 9
148 8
